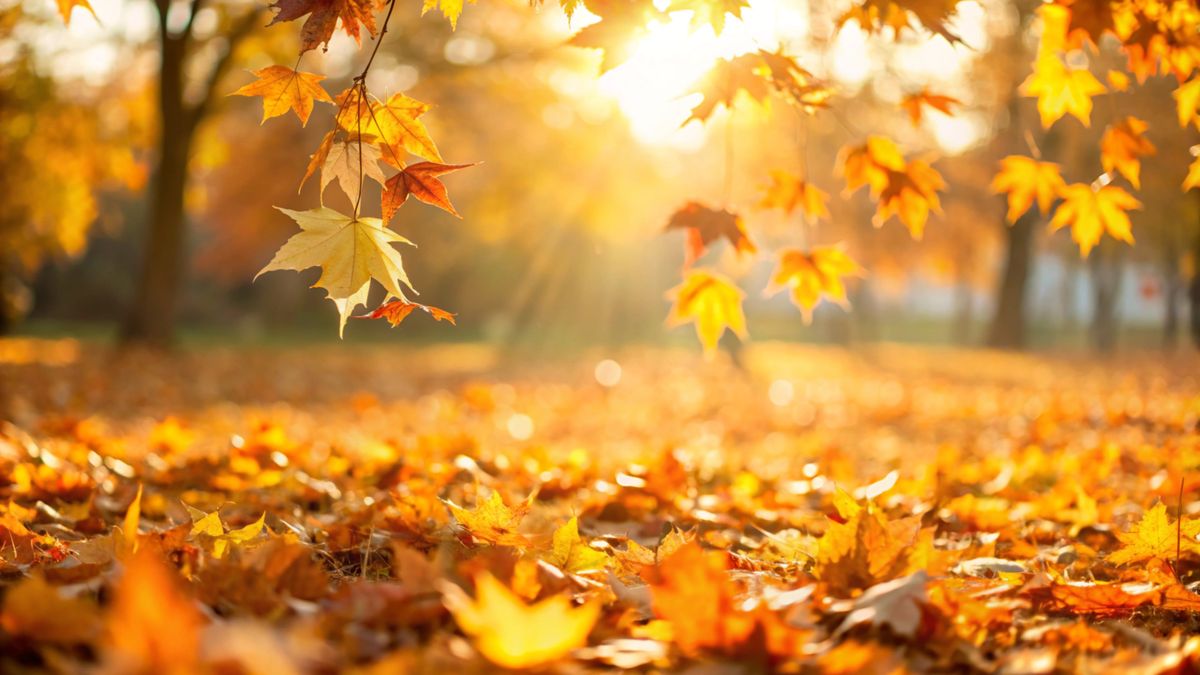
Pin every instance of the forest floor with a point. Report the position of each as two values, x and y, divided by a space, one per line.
386 510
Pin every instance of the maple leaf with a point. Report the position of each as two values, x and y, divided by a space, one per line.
813 275
870 163
693 591
1091 212
66 7
1187 98
1025 179
704 225
869 549
711 12
323 16
728 78
1155 536
152 627
283 89
915 104
910 194
215 536
350 162
622 23
1193 177
1060 91
350 252
1122 146
712 302
493 521
35 610
394 125
895 604
789 192
421 181
570 552
515 635
397 311
317 159
451 9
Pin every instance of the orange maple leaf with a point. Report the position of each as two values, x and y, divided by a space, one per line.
789 192
282 88
910 195
1122 147
869 164
915 104
397 311
421 181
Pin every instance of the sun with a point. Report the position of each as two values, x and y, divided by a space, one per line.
654 88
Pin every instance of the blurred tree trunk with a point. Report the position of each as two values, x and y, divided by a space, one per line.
151 318
1108 271
964 312
1172 289
1008 323
1194 294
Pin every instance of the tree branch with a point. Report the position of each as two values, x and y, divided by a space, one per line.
233 38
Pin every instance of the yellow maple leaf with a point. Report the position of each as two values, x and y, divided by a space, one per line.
869 164
910 195
215 536
283 89
451 9
394 125
570 552
813 275
1193 177
1155 536
1122 147
515 635
789 192
1187 97
1091 212
350 252
1060 90
868 549
493 521
1025 179
712 302
129 529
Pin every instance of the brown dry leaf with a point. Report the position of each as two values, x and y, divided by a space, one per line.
704 225
323 16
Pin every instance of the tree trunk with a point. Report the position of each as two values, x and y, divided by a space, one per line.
1107 272
1194 295
1172 288
1008 323
151 319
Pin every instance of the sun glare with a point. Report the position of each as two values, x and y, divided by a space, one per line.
652 87
655 88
